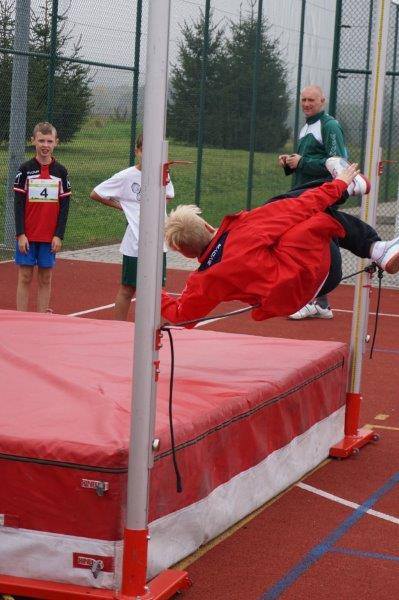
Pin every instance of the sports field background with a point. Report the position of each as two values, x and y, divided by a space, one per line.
117 41
102 148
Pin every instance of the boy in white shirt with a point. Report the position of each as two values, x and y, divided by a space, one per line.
122 191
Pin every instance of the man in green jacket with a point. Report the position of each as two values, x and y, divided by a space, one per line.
319 139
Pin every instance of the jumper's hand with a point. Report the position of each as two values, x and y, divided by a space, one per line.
349 174
23 243
293 160
282 159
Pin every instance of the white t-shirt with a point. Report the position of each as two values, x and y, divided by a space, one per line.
125 187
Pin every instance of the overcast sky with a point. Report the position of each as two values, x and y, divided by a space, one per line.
108 28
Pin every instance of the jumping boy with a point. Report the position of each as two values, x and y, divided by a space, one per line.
42 195
122 191
276 257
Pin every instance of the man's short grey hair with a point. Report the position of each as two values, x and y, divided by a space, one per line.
185 229
317 88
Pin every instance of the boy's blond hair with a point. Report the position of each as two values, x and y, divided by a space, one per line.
185 230
46 128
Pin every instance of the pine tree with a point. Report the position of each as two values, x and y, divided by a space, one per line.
229 88
272 91
184 98
72 94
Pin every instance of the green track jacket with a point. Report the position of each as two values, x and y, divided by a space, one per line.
320 138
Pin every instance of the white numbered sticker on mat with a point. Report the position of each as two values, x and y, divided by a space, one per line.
43 190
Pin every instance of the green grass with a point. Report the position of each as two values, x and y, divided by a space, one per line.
99 151
102 148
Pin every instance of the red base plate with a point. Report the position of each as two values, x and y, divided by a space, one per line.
352 443
162 587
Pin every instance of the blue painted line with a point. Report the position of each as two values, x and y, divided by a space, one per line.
325 546
363 554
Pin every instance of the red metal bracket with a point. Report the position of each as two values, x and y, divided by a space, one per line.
166 173
157 369
158 339
380 166
166 169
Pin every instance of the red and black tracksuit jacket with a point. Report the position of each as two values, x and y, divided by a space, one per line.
275 256
42 219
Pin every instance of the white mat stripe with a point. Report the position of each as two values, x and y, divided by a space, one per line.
374 513
42 555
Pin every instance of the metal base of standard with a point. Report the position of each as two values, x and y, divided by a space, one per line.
162 587
351 444
354 438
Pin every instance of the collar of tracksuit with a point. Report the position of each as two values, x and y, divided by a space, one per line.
314 118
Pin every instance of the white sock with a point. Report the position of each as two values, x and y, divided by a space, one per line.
377 250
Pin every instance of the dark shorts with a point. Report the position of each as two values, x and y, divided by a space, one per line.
129 270
335 274
39 254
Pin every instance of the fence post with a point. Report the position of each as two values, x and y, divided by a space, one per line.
366 90
252 130
391 106
52 63
136 77
201 114
299 74
17 132
332 105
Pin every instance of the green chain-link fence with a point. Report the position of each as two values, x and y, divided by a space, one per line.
60 63
351 81
236 68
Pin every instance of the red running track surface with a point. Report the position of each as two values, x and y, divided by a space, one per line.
248 564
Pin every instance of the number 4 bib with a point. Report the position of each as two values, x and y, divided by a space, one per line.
43 190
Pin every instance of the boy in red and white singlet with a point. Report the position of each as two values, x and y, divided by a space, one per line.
42 194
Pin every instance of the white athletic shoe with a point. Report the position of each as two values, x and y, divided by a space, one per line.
386 255
311 311
359 186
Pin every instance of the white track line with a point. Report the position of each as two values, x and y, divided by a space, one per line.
92 310
105 307
334 309
374 513
344 310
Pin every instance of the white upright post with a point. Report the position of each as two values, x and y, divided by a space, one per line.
355 438
370 201
147 322
18 109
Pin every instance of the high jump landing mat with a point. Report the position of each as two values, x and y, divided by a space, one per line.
251 416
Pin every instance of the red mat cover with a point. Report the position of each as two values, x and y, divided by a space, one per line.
65 416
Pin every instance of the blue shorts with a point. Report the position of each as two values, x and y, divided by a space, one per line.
39 254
